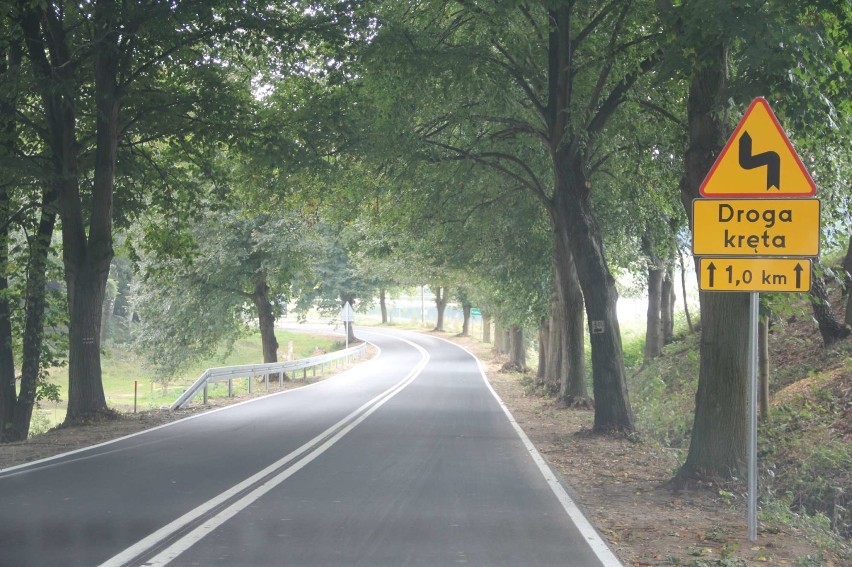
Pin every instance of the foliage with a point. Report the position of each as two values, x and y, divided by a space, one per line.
191 304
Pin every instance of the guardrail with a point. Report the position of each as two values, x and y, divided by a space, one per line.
228 373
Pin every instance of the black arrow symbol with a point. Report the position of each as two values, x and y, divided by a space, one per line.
711 269
798 269
769 159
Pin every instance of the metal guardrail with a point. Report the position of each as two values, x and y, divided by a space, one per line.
228 373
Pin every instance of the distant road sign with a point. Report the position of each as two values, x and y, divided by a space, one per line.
755 227
475 312
754 274
758 161
347 314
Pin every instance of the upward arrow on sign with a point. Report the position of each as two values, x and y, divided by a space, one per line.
764 163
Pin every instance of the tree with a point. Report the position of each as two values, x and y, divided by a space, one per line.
561 73
707 42
240 263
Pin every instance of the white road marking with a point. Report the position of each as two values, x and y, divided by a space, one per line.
347 424
47 462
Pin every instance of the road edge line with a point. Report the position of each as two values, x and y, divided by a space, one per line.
595 541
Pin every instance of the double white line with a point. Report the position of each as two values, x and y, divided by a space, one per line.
256 486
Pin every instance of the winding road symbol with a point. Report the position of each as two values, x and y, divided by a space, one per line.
757 142
771 160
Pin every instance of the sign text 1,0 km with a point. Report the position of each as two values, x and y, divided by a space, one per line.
771 275
756 227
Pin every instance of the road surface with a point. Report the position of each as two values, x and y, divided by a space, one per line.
408 459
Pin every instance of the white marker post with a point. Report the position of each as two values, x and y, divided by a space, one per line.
347 315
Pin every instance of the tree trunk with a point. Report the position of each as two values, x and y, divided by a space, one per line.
847 267
383 306
573 205
441 298
718 445
667 308
554 377
719 433
763 365
571 364
36 303
517 349
654 323
86 400
8 386
266 319
466 307
86 236
543 343
683 290
829 327
486 328
499 338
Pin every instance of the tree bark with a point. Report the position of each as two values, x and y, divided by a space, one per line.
486 328
441 298
683 291
718 445
466 307
36 304
266 319
517 349
576 220
668 306
719 433
8 385
543 343
499 338
553 348
847 267
86 253
571 364
654 321
383 306
830 328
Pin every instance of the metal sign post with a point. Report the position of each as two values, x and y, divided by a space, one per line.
752 416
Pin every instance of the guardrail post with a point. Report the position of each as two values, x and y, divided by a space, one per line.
205 393
230 387
249 378
266 381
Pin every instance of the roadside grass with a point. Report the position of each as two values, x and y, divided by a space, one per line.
121 368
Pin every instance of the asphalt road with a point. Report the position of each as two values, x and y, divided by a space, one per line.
408 459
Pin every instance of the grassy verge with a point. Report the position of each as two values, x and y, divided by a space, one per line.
805 447
122 370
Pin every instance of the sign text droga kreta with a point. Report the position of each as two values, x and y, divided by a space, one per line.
768 227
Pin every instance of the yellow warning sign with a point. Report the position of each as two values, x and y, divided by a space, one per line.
758 161
754 274
755 227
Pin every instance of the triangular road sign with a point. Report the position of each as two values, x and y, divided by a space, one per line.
758 161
